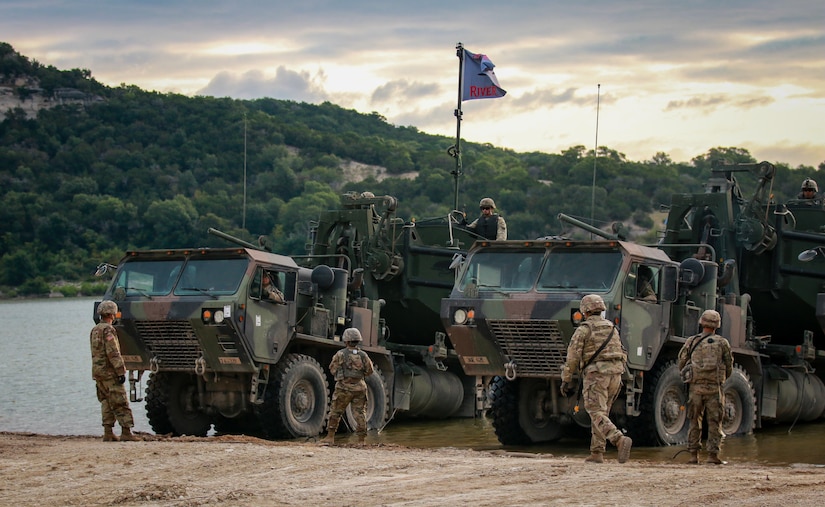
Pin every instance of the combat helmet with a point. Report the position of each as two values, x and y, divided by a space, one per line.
107 308
351 335
809 184
592 303
487 202
710 318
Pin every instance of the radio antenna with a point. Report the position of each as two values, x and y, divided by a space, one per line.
595 157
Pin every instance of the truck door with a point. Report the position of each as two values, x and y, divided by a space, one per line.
645 313
269 312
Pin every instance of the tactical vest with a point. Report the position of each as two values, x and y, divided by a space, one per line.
354 365
488 226
613 352
706 360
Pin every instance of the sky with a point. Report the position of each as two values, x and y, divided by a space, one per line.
640 76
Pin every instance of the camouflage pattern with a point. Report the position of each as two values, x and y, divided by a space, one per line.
114 403
586 340
107 366
592 303
712 365
599 393
350 366
602 377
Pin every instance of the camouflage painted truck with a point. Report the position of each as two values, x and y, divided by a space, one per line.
515 306
219 352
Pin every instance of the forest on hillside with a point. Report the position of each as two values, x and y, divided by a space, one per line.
84 181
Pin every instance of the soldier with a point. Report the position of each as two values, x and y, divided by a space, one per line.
109 374
596 350
644 285
349 366
711 364
808 190
270 291
490 224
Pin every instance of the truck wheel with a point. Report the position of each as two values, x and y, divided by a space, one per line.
184 415
296 400
518 412
157 399
504 412
378 403
664 418
740 404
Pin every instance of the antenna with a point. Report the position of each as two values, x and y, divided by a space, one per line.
595 157
243 220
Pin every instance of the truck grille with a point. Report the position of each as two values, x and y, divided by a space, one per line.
173 343
536 346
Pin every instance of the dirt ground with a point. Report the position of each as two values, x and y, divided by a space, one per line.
242 471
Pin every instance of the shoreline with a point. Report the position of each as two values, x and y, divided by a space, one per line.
233 470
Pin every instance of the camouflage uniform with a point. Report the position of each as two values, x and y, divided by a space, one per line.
107 366
712 365
350 366
602 378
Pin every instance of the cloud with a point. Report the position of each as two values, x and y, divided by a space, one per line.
286 85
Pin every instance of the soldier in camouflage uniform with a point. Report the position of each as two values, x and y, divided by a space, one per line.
349 366
109 373
711 364
602 376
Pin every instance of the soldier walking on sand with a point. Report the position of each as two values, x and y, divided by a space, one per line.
596 350
711 363
109 373
349 366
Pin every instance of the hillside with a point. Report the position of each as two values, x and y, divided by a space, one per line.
89 171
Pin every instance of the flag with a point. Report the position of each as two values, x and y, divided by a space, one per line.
480 81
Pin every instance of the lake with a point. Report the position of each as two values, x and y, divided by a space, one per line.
46 387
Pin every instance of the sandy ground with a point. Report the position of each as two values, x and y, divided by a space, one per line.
242 471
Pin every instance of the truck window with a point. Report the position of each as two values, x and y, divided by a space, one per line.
508 270
579 270
148 278
643 283
212 276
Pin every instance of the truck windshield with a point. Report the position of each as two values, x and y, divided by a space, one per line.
579 270
507 270
197 276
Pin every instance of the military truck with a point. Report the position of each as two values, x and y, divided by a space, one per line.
220 351
760 264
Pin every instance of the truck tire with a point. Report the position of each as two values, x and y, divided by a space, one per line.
664 418
378 403
504 412
296 400
740 404
157 399
518 414
184 416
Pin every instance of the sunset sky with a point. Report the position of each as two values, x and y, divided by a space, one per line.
677 77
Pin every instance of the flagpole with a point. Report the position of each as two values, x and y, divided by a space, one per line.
455 150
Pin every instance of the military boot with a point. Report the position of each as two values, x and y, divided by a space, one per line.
126 435
624 444
713 459
329 439
108 435
362 439
595 457
694 458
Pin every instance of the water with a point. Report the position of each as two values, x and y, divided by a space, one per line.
46 387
